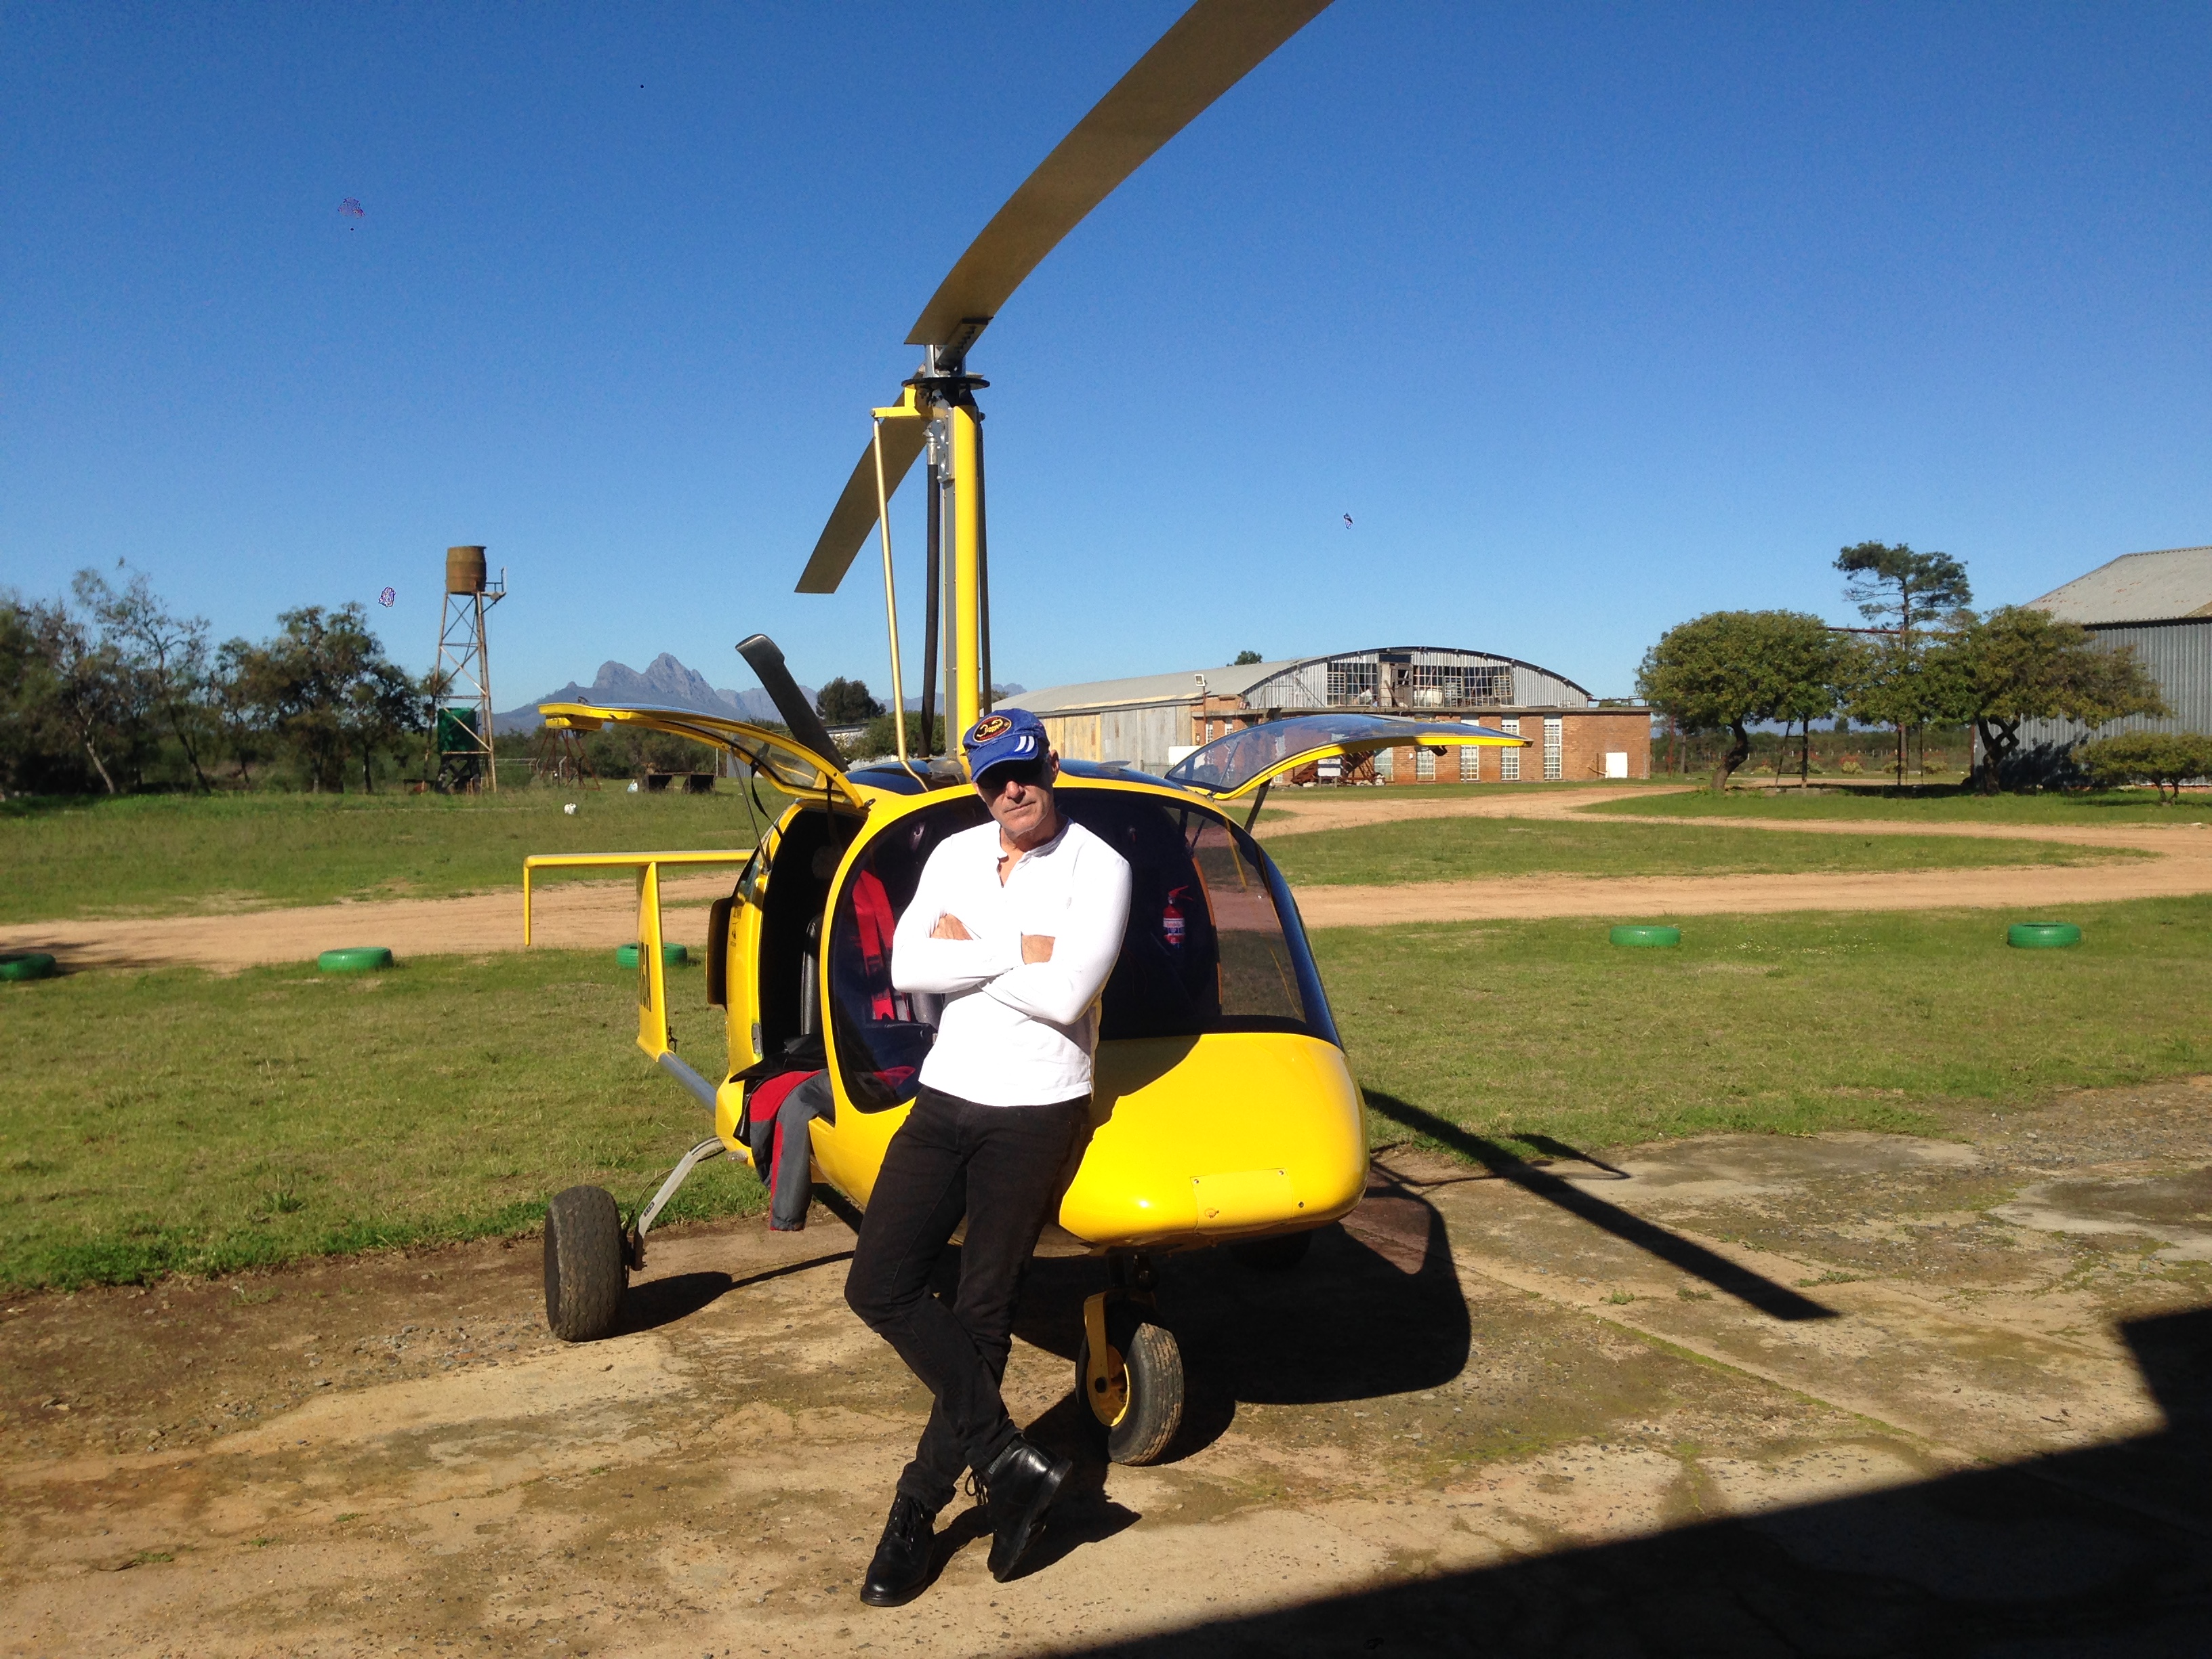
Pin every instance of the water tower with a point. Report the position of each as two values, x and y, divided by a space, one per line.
460 755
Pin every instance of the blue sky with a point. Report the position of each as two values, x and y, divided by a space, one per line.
1593 318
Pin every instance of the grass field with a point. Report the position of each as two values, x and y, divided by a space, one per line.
1459 849
180 1122
169 854
176 1121
2097 809
1795 1024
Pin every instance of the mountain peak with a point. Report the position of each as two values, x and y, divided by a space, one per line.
667 682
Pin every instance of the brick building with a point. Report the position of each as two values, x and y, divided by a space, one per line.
1155 719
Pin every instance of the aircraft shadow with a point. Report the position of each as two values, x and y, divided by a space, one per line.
1686 1255
2105 1550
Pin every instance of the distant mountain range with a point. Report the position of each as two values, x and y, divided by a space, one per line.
666 684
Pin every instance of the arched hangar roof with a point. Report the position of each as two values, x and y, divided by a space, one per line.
1397 675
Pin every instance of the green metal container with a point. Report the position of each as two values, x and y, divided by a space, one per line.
671 956
2042 935
1648 937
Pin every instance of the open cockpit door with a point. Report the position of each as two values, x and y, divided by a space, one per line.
1243 764
792 766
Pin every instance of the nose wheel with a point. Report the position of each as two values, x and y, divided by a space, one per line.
1128 1370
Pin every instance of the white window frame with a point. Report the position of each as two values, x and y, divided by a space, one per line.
1508 760
1470 763
1555 749
1425 765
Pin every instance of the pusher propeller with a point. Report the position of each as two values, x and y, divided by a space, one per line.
1210 48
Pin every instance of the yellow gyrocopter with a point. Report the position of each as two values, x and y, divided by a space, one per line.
1224 1111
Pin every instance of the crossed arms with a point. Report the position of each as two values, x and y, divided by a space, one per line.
1051 977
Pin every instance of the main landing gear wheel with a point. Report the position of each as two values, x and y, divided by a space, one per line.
1136 1393
587 1274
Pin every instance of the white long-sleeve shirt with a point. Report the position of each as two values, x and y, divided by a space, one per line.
1014 1033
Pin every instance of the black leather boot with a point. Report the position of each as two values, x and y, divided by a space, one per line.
1020 1485
900 1571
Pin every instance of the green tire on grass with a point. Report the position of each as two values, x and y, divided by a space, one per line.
671 956
2042 935
355 959
25 964
1632 934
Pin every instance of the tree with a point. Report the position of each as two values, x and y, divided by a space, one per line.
169 654
89 692
1900 592
2163 760
324 686
2017 664
1243 657
29 731
1895 582
1729 669
846 703
881 737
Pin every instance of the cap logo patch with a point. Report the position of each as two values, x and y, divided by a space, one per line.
990 726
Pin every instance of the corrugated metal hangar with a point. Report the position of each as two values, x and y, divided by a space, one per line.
1152 721
2159 603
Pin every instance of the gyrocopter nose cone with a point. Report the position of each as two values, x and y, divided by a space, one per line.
1234 1133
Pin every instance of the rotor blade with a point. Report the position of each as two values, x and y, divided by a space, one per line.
855 515
1211 47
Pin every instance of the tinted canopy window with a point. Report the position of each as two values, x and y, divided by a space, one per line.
1207 948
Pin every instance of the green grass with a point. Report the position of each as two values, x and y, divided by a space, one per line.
1939 805
176 1121
171 854
1459 849
1790 1023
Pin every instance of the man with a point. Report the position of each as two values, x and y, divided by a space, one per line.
1016 924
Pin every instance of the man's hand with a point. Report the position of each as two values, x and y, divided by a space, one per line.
949 926
1036 947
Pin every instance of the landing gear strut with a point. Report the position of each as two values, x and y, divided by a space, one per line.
1128 1370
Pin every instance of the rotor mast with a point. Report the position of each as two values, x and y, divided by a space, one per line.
1208 50
944 387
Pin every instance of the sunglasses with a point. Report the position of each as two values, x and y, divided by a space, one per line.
1030 774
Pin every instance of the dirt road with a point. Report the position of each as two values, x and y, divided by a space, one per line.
595 914
1850 1393
2182 863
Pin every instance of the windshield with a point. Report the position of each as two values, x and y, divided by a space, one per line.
1213 944
1229 764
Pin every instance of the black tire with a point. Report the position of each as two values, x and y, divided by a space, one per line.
1150 1370
585 1277
1278 1255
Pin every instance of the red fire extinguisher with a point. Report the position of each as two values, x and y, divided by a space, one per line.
1171 923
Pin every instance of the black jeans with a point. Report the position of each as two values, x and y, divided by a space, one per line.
1002 1167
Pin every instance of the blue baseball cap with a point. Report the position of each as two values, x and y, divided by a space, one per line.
1004 735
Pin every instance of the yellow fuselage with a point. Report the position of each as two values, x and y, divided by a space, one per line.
1195 1139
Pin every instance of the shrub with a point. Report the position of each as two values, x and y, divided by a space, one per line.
2164 760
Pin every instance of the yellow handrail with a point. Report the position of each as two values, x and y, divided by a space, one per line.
538 861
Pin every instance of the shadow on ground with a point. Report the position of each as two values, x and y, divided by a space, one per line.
1686 1255
1375 1308
2107 1551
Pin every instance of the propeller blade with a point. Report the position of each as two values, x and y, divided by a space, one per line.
1211 47
855 515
